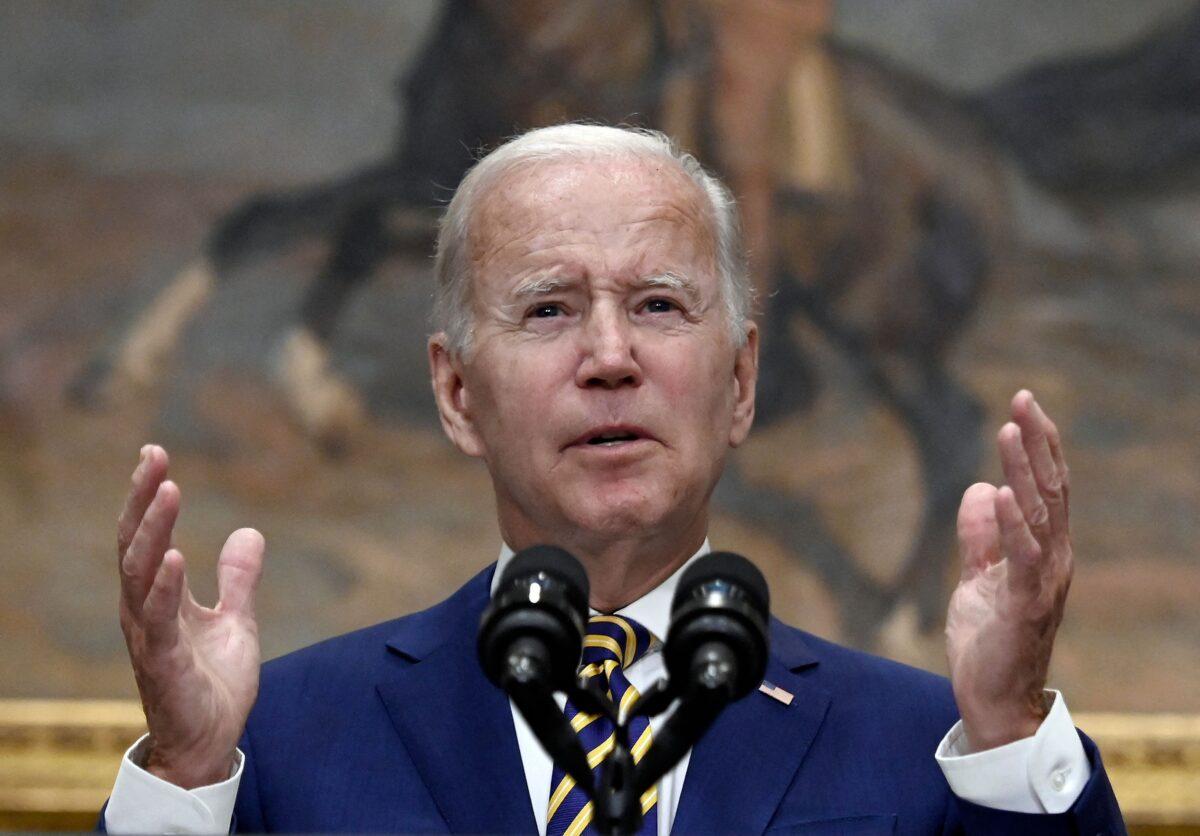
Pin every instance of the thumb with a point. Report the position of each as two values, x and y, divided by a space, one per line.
239 569
978 531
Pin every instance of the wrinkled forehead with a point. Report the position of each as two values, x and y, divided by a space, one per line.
531 202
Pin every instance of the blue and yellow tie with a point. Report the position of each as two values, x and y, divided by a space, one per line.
612 644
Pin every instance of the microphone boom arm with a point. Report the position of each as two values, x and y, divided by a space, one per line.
527 689
710 689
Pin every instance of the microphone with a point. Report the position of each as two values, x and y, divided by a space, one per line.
715 653
532 632
530 641
717 640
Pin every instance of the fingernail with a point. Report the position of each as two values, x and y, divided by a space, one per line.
145 451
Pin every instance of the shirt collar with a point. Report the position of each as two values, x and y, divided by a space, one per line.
652 610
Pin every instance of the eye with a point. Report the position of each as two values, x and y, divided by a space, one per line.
660 305
547 310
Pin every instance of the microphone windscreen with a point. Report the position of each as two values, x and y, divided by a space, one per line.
554 561
730 568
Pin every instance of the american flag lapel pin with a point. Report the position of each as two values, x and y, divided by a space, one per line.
776 693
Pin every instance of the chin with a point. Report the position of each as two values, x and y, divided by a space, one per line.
616 510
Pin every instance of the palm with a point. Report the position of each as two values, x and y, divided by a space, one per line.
972 614
196 667
217 657
1016 556
983 624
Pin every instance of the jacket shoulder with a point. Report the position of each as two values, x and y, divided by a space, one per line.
854 663
363 656
873 686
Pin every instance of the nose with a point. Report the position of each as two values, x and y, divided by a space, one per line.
609 352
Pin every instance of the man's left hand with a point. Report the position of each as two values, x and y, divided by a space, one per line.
1015 544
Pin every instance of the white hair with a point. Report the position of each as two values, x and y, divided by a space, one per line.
452 302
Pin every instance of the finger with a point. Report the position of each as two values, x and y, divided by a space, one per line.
239 570
1054 442
978 533
1020 549
1033 423
151 470
1019 474
145 553
160 612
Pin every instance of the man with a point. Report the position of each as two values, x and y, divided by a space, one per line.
595 350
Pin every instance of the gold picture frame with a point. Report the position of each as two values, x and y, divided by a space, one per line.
58 759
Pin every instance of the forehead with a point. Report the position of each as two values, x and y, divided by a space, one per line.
618 213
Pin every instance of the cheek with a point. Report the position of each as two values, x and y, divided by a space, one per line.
516 393
698 393
704 381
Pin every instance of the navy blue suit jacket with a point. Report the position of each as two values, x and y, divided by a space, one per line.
395 728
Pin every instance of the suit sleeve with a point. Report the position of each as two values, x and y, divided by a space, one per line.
1043 773
1095 811
247 811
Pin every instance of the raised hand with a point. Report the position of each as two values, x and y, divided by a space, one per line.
1015 543
196 668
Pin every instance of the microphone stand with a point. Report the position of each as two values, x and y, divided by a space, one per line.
717 646
710 687
617 808
617 796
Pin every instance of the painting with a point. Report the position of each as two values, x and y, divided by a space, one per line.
216 227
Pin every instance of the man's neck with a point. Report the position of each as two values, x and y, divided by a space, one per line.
619 576
621 571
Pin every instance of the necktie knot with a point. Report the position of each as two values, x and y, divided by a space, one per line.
615 638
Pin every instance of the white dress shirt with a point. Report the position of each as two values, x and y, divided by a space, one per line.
1040 774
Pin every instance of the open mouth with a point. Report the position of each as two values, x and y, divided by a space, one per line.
611 439
618 435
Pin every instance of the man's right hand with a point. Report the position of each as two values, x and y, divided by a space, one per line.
196 668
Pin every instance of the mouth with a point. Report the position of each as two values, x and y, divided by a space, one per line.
609 437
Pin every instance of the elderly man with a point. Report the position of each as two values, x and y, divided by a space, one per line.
595 351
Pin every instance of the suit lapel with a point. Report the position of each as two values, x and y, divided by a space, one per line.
740 770
456 726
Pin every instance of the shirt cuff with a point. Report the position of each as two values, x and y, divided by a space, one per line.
144 803
1040 774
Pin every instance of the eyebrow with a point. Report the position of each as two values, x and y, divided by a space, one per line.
545 285
670 281
542 286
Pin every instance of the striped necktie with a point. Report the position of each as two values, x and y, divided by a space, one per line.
612 644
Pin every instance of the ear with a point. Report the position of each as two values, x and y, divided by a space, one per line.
745 377
450 393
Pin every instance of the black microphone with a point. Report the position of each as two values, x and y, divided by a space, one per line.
715 653
530 641
717 640
533 629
